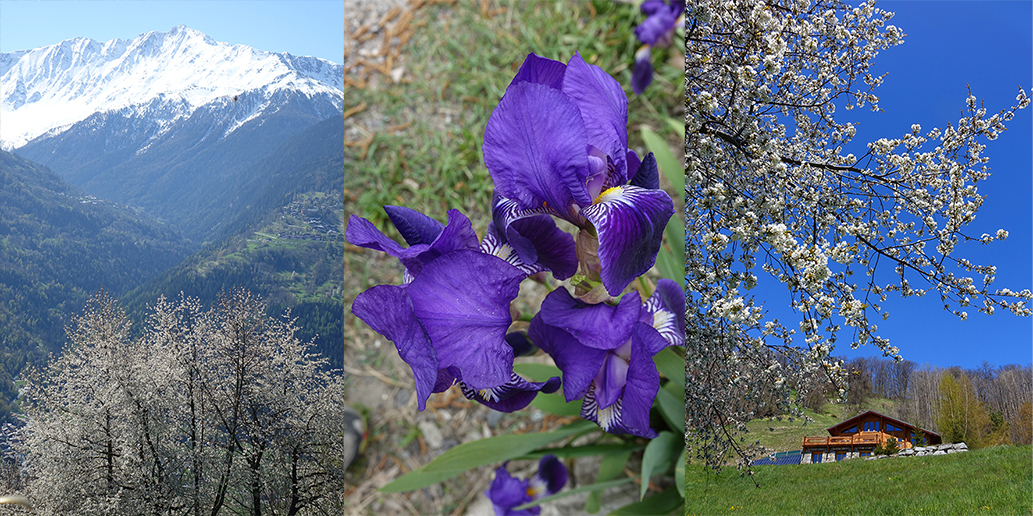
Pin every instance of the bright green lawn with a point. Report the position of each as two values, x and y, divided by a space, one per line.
996 480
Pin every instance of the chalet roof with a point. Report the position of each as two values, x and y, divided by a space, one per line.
850 422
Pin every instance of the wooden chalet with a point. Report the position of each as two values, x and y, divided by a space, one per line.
858 437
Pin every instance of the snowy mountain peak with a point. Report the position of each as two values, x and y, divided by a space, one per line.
47 89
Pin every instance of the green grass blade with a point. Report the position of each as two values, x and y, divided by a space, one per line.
679 473
677 126
563 494
610 467
569 452
473 454
555 403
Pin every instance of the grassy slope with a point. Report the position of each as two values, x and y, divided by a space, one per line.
992 481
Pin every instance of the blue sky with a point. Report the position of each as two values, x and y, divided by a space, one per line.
988 46
312 28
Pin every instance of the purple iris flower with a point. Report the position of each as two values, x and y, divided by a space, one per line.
656 31
450 316
606 352
557 144
507 492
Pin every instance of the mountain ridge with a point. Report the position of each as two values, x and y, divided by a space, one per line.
49 89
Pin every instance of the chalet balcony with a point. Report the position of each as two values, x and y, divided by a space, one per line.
858 439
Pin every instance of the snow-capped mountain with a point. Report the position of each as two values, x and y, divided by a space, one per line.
159 77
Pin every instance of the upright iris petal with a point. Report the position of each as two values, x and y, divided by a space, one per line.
557 144
507 492
617 381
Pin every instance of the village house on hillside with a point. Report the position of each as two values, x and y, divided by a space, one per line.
858 437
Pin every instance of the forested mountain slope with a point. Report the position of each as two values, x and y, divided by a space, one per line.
57 247
285 244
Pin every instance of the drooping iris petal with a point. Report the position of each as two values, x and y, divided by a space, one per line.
535 239
646 174
604 108
642 71
579 363
599 326
554 247
511 396
643 380
630 223
388 310
535 149
462 299
507 492
457 234
553 473
629 414
608 418
665 311
415 227
446 379
541 70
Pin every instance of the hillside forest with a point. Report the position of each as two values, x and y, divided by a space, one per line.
986 406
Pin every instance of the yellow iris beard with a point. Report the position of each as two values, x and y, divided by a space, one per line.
609 192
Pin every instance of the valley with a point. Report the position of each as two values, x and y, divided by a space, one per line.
168 165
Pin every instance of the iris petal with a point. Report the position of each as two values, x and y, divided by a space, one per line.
457 234
643 380
462 299
630 223
599 326
388 310
553 472
646 174
538 243
363 233
665 311
604 107
660 22
506 492
609 383
511 396
535 148
642 72
415 227
578 363
541 70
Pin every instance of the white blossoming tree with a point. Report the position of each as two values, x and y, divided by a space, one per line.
207 412
772 192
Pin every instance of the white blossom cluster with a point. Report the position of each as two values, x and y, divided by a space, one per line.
770 186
